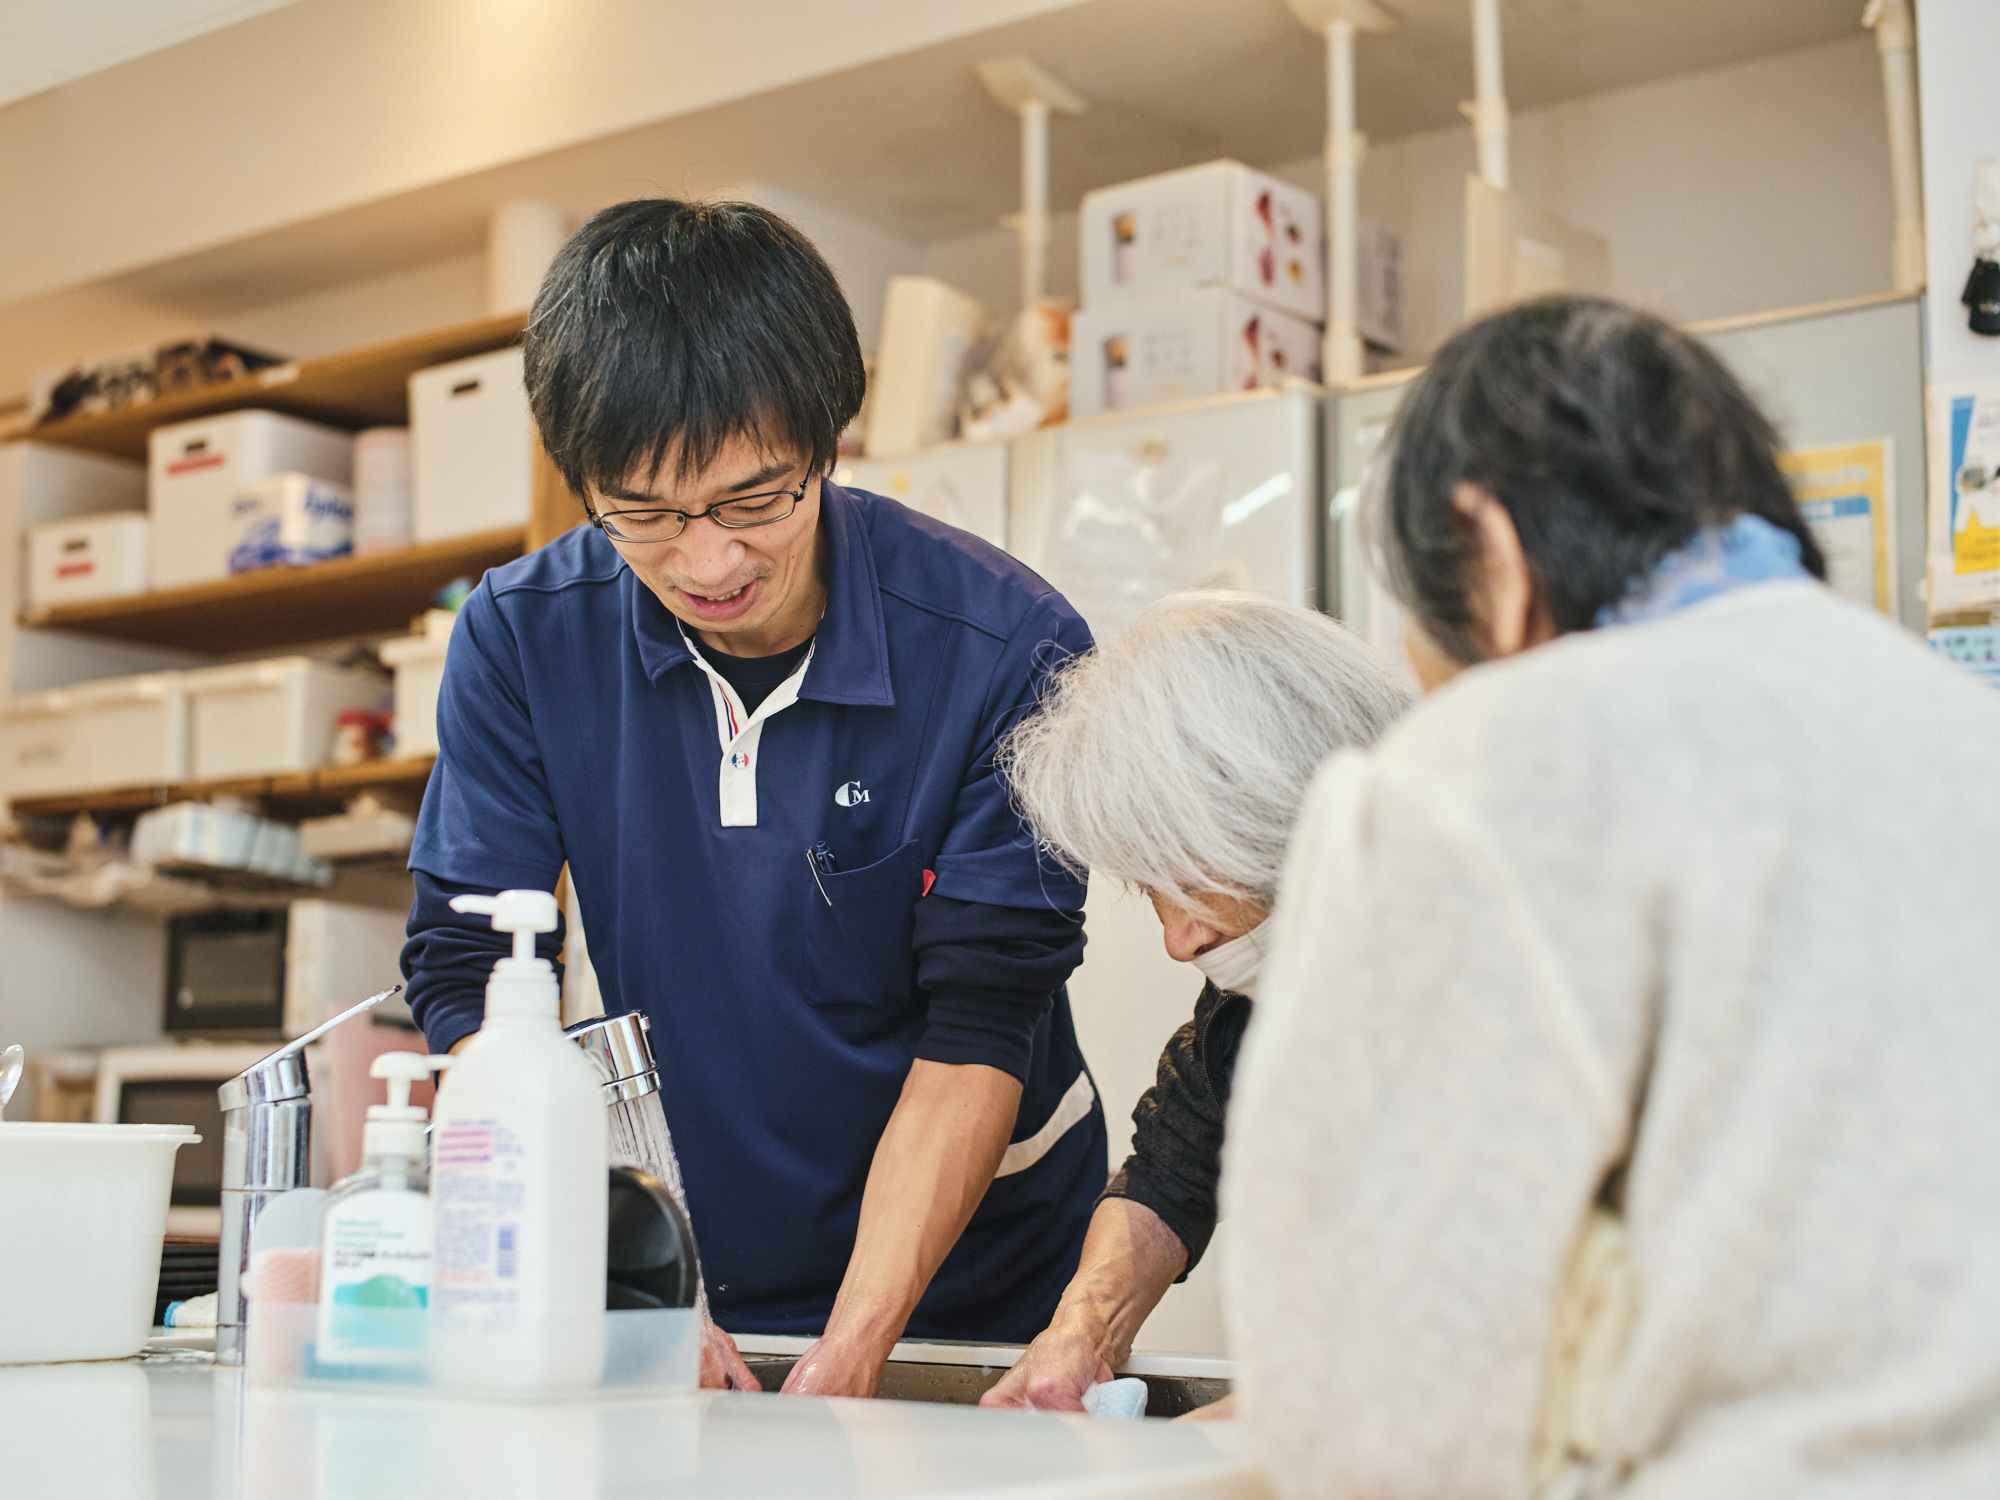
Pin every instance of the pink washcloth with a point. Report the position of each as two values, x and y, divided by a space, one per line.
290 1275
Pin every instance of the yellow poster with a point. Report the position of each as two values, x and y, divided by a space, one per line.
1846 492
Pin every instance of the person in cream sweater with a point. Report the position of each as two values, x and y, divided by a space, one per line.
1621 1115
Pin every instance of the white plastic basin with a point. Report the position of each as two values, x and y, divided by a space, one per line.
83 1214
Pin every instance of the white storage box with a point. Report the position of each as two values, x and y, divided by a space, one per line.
198 469
1219 224
94 557
418 662
928 332
38 748
1180 347
130 731
472 447
290 520
265 718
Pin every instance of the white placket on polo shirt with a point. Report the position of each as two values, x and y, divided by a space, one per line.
740 734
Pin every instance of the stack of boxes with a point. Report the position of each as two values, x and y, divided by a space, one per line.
1195 283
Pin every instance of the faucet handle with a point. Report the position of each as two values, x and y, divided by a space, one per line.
282 1075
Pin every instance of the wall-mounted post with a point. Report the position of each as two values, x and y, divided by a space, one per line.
1896 39
1338 21
1488 109
1020 85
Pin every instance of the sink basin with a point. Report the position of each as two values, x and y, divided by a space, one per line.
963 1385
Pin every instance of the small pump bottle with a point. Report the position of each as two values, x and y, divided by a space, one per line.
519 1174
375 1233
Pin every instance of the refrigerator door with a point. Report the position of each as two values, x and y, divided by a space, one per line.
1117 510
961 484
1357 420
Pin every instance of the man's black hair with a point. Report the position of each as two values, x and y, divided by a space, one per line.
665 328
1610 438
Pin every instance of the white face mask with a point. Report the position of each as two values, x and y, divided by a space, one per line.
1233 965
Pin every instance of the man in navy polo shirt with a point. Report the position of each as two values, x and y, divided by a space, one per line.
756 714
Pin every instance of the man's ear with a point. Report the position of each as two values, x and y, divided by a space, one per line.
1509 605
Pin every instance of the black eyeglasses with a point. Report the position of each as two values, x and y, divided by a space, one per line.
739 514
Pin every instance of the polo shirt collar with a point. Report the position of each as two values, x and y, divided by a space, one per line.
851 655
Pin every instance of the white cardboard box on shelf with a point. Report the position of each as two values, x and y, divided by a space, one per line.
472 447
929 329
131 731
1180 347
38 749
418 662
1218 224
265 718
198 469
91 557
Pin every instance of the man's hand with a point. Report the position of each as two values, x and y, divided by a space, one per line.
935 1161
1054 1372
837 1367
722 1367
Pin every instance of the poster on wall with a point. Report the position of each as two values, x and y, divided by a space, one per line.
1846 492
1965 495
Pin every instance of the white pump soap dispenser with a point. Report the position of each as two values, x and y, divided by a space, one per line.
375 1232
518 1183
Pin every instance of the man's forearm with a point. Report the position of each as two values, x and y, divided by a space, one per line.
935 1161
1130 1258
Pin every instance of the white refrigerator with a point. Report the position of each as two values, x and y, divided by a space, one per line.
961 484
1117 510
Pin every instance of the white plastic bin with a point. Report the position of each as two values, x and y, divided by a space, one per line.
197 469
131 731
418 662
38 746
472 447
1182 347
86 1214
92 557
264 718
1218 224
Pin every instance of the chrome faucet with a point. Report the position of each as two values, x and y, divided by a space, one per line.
266 1150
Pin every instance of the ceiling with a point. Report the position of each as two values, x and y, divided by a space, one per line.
51 42
913 145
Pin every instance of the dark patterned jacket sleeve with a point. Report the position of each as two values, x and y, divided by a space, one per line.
1176 1155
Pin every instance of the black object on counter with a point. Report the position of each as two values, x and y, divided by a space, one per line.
649 1253
189 1268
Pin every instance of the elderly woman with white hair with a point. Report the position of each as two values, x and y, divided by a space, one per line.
1174 759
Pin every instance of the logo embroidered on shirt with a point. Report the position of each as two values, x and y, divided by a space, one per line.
851 794
739 760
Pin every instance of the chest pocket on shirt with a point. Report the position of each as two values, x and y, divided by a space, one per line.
875 908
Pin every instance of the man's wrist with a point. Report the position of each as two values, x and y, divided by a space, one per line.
871 1328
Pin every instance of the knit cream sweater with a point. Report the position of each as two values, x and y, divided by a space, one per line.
1734 874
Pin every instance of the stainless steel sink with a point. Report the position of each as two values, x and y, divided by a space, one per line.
963 1385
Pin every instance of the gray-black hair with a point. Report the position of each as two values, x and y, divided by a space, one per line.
1176 757
1609 437
667 328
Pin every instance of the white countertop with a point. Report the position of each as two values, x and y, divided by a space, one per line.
176 1428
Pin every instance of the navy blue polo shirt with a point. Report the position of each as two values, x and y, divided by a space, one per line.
576 724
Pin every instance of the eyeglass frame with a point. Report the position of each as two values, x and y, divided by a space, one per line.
601 519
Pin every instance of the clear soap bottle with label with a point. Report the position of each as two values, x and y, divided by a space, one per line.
519 1176
375 1233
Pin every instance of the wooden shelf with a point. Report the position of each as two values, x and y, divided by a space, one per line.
365 387
275 607
300 794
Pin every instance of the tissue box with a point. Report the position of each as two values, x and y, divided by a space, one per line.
1180 347
92 557
1220 224
198 469
290 520
472 447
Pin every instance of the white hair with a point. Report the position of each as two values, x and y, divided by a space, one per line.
1176 757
